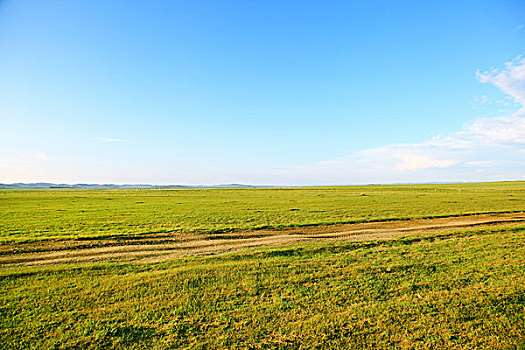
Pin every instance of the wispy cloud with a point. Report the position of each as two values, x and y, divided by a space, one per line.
15 164
510 80
410 161
106 139
490 147
45 157
480 162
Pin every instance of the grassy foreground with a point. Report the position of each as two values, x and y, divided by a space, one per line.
44 214
456 290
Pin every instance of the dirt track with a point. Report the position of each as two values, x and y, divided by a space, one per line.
153 248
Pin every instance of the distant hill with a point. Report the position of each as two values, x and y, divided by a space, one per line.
42 185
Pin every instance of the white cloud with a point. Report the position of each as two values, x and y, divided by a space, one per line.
483 100
401 157
511 81
497 130
105 139
480 162
46 157
412 161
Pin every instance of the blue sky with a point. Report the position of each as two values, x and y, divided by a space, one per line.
269 92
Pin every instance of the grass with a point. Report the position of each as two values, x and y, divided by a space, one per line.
455 290
63 214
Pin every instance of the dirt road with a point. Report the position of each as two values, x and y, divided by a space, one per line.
154 248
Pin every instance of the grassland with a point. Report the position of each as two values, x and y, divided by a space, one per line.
430 285
455 290
44 214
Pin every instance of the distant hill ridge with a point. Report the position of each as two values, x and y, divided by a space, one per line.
42 185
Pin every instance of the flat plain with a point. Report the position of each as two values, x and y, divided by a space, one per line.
49 214
407 266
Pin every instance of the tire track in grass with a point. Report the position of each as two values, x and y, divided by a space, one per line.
153 248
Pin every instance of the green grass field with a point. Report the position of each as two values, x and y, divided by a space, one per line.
458 290
43 214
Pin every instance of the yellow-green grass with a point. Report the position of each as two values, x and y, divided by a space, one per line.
455 290
64 213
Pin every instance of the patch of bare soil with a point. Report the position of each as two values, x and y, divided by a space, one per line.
159 247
